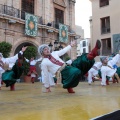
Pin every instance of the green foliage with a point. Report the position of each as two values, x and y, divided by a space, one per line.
26 67
30 52
67 58
5 48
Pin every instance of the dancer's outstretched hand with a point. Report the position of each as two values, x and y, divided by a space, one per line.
24 48
73 43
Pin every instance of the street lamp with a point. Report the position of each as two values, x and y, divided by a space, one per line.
55 44
60 47
50 45
56 47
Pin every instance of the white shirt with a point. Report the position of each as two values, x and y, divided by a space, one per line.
33 62
106 71
114 61
11 59
98 65
47 66
69 62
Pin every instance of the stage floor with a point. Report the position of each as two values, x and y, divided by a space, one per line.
29 103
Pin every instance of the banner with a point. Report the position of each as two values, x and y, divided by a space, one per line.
31 22
63 33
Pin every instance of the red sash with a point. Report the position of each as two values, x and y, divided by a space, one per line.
53 60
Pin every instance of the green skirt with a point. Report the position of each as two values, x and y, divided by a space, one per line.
118 71
9 77
71 74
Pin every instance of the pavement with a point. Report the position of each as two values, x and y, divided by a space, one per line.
28 102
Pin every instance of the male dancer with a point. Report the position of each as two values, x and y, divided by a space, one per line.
93 71
70 74
8 75
32 70
107 69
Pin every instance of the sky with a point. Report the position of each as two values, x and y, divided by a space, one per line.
83 11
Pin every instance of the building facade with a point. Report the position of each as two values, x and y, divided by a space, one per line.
83 46
49 14
80 32
105 25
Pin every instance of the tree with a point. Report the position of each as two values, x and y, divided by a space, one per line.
5 48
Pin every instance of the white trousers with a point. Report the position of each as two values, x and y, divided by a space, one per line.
51 80
91 73
106 71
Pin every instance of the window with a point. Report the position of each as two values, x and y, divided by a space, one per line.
84 43
28 6
105 25
106 46
59 16
84 50
104 3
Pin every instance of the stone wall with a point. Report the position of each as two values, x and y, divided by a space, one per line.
14 33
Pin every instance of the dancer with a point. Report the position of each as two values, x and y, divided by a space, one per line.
9 77
93 72
70 74
107 69
32 71
51 79
1 68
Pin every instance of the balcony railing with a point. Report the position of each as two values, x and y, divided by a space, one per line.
11 11
105 30
56 25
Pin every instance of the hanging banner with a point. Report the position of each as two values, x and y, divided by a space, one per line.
63 33
31 23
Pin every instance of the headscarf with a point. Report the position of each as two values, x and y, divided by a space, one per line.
41 48
102 58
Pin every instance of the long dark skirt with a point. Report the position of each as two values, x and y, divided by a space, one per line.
71 74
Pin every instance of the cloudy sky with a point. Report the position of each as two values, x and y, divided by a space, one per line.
82 13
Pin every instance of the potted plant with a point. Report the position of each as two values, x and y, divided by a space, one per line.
30 52
5 48
65 57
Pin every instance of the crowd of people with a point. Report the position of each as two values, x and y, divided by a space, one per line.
54 69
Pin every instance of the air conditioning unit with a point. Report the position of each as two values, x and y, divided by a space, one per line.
11 21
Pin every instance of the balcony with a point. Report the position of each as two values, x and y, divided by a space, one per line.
16 13
105 30
56 25
11 11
